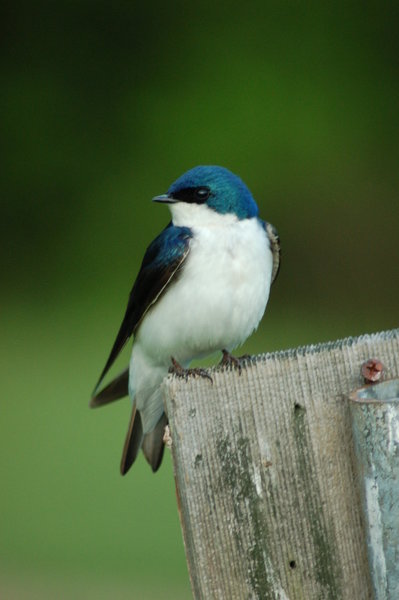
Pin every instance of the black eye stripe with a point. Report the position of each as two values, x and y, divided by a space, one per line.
193 195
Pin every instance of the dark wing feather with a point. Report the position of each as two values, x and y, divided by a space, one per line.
274 241
162 262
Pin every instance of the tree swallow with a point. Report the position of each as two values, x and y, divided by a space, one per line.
202 287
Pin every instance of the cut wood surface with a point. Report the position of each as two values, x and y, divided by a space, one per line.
264 467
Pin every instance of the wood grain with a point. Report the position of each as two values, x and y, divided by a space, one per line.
265 478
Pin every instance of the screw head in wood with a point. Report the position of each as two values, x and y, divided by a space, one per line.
372 370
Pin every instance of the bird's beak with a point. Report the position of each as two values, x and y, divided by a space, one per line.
164 198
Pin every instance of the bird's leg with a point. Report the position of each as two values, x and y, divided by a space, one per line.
228 360
180 371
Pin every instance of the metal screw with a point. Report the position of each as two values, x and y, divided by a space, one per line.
372 370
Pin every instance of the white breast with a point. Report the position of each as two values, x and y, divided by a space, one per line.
219 297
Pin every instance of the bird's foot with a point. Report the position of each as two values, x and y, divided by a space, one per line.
228 360
180 371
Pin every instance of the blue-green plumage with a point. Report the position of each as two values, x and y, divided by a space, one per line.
229 194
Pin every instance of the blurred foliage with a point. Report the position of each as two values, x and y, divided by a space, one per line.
103 105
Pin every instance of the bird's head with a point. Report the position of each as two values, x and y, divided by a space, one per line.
205 192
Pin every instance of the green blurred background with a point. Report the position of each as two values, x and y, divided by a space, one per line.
103 105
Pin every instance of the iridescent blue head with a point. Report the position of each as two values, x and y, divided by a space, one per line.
216 187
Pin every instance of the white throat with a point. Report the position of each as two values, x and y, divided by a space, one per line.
199 215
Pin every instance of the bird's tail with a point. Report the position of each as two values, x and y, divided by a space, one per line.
133 441
151 443
117 388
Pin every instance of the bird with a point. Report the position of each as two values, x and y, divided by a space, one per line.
202 287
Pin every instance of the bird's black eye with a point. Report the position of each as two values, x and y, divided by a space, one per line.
202 193
192 195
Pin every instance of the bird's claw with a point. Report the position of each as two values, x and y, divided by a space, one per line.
228 360
180 371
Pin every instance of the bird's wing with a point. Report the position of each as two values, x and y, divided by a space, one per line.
117 388
274 241
161 264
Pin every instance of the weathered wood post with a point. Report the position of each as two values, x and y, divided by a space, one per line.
265 475
375 414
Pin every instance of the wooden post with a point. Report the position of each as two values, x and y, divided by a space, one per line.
375 414
265 477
